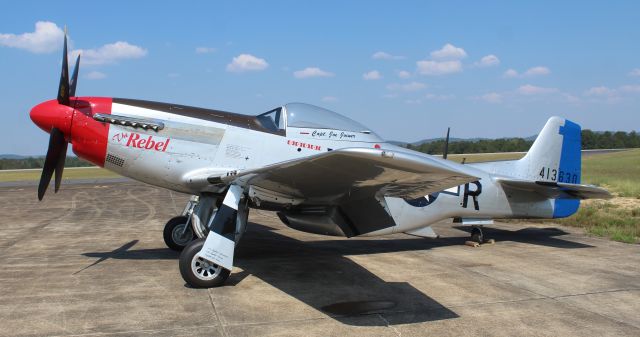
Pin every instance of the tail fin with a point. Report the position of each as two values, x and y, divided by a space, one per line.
555 157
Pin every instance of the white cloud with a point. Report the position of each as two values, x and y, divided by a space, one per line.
246 62
433 68
404 74
511 73
492 97
599 91
488 61
537 71
439 97
531 72
413 101
449 52
96 75
529 89
571 98
630 88
46 38
311 72
329 99
110 53
635 72
385 56
605 94
413 86
205 50
372 75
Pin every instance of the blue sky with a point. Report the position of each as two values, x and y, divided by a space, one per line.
406 69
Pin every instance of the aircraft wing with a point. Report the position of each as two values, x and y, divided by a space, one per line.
557 190
353 180
354 173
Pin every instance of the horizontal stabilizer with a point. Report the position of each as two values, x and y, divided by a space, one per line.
555 190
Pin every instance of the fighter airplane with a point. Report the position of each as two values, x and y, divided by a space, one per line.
321 172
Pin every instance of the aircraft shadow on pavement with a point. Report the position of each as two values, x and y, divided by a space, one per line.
319 274
547 236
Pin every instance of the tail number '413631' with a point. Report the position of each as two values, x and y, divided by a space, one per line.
560 176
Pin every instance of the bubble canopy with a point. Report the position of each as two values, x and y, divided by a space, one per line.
302 115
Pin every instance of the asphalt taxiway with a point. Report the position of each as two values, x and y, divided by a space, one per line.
90 260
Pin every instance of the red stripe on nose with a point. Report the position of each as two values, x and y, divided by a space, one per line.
88 136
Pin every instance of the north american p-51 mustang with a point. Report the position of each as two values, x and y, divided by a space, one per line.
321 172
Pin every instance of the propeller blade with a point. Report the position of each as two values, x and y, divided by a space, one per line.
446 145
74 78
56 143
63 89
60 166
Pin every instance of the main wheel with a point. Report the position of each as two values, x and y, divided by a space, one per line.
175 235
476 235
198 272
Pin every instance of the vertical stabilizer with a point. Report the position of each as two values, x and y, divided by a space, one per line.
555 157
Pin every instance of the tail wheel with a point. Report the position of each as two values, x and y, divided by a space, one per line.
476 235
198 272
177 234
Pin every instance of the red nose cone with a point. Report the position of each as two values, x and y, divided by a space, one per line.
48 115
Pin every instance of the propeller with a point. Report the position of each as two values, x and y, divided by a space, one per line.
446 145
57 151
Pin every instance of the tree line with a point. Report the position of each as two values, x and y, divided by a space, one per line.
38 162
590 140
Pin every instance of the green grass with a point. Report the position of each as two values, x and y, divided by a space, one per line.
69 173
619 218
618 171
606 219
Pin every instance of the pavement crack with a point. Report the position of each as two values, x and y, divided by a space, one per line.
594 293
388 325
215 312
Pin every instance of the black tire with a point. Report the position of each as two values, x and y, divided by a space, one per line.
191 276
476 235
172 229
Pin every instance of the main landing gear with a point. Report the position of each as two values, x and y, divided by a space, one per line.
178 231
206 263
199 272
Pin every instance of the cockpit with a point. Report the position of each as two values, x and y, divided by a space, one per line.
301 115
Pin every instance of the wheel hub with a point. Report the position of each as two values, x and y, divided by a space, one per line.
204 269
181 236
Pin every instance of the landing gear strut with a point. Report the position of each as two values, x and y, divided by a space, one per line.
206 263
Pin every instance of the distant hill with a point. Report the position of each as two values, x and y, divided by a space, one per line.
451 140
12 156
